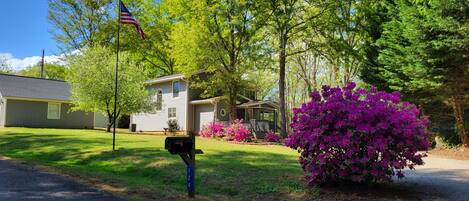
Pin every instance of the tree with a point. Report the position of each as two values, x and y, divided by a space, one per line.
91 77
289 20
262 81
376 14
308 69
5 68
80 23
51 71
218 37
342 38
424 53
155 51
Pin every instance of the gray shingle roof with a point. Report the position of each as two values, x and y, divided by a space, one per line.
33 88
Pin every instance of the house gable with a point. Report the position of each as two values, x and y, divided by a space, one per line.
172 106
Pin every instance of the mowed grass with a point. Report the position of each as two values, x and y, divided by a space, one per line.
143 169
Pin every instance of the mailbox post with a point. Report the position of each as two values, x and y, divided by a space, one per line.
185 148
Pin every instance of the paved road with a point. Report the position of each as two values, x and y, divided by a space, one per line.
18 183
441 179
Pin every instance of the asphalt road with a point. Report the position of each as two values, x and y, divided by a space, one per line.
19 183
440 179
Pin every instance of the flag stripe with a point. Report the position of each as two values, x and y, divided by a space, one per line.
127 18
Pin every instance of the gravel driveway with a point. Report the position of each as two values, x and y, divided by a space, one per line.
19 183
440 179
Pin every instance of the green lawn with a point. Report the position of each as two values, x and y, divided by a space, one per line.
144 169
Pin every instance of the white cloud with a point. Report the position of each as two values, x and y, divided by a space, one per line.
19 64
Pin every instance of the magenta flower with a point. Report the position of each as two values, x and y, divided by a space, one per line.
272 137
348 134
213 129
238 132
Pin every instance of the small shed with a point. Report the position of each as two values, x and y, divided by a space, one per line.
36 102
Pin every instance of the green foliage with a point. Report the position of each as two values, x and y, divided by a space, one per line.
5 68
154 53
262 82
422 53
219 38
450 141
51 71
341 38
92 76
377 15
81 23
422 47
173 125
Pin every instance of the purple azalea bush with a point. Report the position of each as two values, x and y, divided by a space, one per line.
213 129
270 136
238 132
358 135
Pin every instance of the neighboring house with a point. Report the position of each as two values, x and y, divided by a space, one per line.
175 99
36 102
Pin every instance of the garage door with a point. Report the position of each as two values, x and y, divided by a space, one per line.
203 116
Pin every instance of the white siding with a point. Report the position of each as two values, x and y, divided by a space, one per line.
3 103
100 121
158 120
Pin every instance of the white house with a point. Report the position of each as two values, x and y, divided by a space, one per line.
175 99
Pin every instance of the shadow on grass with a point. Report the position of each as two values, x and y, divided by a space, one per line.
149 171
153 172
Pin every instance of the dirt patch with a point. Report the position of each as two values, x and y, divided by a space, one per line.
457 153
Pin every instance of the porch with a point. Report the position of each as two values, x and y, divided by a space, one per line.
258 116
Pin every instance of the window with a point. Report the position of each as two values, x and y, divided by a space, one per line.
159 100
172 112
223 112
53 111
175 89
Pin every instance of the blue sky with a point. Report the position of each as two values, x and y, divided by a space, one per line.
25 31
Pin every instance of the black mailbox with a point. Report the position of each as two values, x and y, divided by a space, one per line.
178 145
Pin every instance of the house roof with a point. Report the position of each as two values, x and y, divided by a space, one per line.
249 104
165 79
206 101
14 86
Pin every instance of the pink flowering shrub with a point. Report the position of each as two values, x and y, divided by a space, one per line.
213 129
272 137
238 132
348 134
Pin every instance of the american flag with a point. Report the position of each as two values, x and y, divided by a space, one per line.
127 18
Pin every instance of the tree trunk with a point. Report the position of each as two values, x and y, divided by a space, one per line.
108 128
315 73
110 122
459 116
281 83
232 104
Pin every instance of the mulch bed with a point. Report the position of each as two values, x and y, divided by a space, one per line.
456 153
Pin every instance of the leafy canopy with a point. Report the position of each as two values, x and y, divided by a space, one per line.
92 76
51 71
